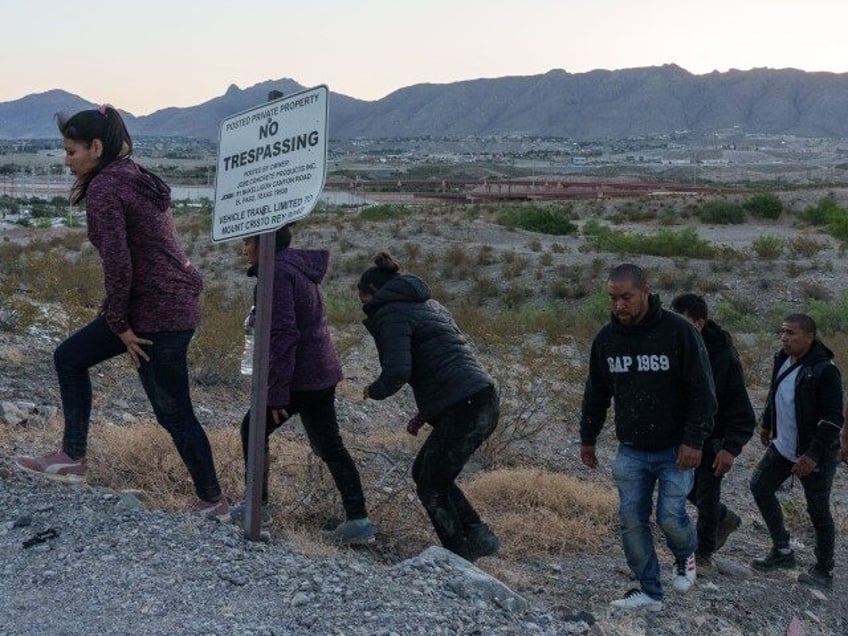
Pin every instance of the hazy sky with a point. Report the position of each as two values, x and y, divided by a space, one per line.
149 54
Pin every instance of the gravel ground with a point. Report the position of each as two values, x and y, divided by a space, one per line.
77 560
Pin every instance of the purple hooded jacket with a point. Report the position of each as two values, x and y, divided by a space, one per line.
301 355
150 284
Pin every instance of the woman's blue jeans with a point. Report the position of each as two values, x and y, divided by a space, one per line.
636 472
165 381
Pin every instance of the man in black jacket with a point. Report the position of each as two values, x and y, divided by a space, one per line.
654 365
734 425
801 427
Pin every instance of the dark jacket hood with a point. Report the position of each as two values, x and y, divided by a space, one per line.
406 288
311 263
715 338
819 352
141 180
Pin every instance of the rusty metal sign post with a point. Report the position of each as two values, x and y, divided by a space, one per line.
271 170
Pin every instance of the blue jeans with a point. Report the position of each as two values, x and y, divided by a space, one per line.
636 472
165 381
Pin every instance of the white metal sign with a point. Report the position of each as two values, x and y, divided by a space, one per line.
271 165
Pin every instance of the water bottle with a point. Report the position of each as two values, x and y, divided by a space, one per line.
247 353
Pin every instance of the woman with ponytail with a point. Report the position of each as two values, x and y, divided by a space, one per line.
419 344
151 307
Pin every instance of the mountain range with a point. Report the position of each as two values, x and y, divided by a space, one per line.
580 106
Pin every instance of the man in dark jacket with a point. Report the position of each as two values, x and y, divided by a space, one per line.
801 427
654 365
734 425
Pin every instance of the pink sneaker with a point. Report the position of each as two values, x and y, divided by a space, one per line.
219 510
56 466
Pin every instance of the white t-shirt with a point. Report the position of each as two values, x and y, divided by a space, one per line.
786 441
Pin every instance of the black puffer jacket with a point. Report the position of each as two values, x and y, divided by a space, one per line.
818 402
420 344
734 420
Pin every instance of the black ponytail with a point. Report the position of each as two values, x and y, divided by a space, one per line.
385 268
104 123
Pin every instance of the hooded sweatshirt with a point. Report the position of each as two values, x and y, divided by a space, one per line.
151 286
301 353
420 344
734 419
658 374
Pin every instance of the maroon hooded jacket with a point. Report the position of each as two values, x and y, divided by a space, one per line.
151 286
301 353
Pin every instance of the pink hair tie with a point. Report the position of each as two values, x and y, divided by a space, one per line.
102 109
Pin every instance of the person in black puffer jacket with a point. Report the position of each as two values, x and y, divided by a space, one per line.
419 344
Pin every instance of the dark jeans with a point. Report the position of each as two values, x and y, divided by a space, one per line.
165 381
706 495
772 471
457 433
317 410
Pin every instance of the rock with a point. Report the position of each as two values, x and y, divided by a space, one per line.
732 569
469 582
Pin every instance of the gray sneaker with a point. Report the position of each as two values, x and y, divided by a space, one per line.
352 532
238 511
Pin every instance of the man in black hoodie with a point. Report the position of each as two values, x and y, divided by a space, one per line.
654 365
801 427
734 425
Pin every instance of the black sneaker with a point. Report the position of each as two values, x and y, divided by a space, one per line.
817 577
773 560
480 541
727 525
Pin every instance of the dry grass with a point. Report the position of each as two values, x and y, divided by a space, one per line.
542 513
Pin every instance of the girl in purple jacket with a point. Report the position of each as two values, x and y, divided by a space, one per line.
303 373
151 307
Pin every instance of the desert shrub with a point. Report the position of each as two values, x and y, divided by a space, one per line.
830 317
516 294
412 250
545 220
685 242
216 348
815 291
535 245
768 247
765 205
829 214
805 245
485 255
384 212
513 265
342 306
821 213
456 263
737 313
722 212
484 288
